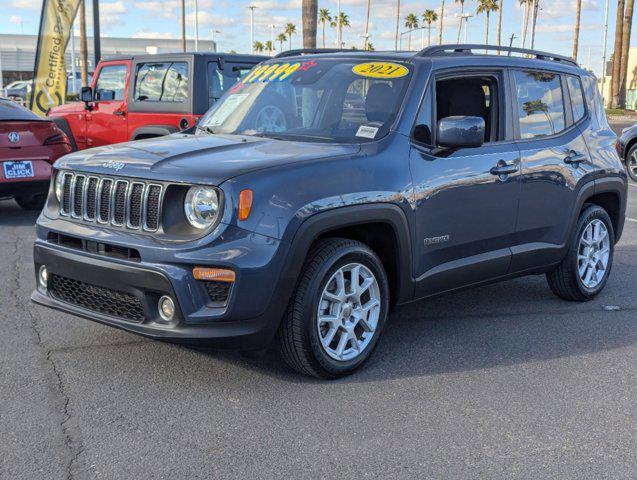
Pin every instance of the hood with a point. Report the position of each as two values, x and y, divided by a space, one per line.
208 159
66 108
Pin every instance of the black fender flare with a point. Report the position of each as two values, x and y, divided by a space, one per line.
619 186
154 130
63 125
333 219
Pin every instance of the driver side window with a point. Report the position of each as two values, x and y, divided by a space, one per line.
111 83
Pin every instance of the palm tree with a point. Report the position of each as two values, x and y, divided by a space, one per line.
290 29
526 20
324 17
578 12
429 17
370 47
461 2
369 4
257 46
343 23
281 38
397 25
308 13
411 22
83 49
623 71
619 31
442 15
269 47
500 24
487 6
536 8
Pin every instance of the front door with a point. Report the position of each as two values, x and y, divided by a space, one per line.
108 121
466 199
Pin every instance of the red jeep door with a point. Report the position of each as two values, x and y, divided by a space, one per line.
108 123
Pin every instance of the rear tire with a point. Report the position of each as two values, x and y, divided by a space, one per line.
631 163
584 271
31 201
329 330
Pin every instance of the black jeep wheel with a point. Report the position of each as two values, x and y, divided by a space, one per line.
338 310
31 201
584 271
631 163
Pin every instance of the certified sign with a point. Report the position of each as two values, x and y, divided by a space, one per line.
14 137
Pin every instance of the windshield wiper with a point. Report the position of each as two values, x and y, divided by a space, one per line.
206 129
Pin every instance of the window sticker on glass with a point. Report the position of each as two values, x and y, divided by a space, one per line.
380 70
367 131
231 103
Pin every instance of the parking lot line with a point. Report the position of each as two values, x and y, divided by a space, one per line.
631 219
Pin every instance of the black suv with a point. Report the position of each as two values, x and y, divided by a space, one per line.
293 213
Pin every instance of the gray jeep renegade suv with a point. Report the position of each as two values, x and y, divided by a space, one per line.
327 187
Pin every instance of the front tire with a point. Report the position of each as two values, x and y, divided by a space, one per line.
337 312
584 271
31 201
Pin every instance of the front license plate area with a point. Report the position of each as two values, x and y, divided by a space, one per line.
20 169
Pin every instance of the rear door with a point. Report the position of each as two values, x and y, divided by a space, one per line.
554 159
108 121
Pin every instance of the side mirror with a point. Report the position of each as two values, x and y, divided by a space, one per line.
460 132
86 94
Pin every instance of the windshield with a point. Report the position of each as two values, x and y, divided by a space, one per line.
321 99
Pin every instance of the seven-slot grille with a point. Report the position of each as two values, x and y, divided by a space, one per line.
120 202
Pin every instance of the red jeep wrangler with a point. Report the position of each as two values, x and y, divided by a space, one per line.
131 98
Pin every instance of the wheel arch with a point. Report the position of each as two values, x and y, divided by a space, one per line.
151 131
383 227
63 124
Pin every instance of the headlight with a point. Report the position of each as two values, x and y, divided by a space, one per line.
59 186
201 207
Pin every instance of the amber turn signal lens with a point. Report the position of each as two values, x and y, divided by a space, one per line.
213 274
245 204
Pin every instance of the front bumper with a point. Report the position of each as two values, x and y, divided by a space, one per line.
239 324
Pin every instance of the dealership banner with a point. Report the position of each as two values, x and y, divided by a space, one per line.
49 76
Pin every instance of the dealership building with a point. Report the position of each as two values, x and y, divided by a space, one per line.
17 52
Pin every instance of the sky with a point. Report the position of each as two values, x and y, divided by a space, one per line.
161 19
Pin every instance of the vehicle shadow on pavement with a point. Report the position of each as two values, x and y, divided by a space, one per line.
515 322
11 215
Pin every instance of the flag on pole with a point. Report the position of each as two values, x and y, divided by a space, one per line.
49 75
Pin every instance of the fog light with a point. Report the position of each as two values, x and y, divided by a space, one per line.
166 308
43 277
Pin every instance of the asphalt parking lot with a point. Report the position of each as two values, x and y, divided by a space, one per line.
504 381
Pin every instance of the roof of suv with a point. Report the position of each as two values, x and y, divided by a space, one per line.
257 58
449 53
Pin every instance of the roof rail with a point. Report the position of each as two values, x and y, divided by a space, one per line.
309 51
469 48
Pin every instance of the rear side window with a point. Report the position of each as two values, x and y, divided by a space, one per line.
162 82
540 104
577 97
220 80
111 83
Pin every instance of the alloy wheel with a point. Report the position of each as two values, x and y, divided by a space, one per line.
348 312
593 254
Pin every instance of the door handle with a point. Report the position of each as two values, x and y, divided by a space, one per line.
119 113
503 168
574 158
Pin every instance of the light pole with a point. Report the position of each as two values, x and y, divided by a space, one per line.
214 42
272 27
196 25
605 45
464 17
366 37
73 73
252 7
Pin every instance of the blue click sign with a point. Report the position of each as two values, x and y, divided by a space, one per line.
22 169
